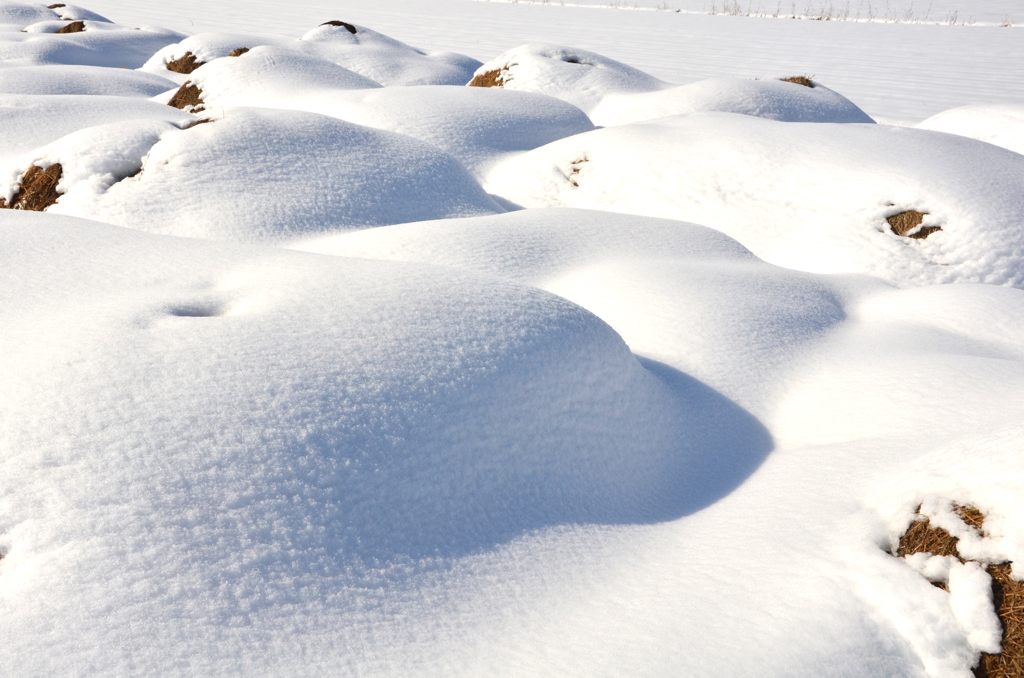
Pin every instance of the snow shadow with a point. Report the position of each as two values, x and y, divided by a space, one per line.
482 487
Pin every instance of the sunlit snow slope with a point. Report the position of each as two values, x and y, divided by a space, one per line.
633 358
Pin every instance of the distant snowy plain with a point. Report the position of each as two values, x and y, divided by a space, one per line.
624 366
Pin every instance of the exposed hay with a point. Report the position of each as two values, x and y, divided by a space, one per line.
348 27
238 51
73 27
800 80
904 224
188 98
1008 595
1009 603
574 171
60 4
488 79
185 64
37 190
200 121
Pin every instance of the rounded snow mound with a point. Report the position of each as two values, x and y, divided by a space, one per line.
998 124
910 206
30 121
254 174
79 80
384 59
771 99
580 77
475 125
272 77
257 432
14 16
97 43
204 48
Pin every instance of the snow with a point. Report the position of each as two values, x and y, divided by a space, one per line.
81 80
814 197
1002 125
615 370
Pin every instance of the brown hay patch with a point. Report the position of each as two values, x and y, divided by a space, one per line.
800 80
238 51
200 121
56 6
488 79
1008 595
1009 603
37 190
185 64
348 27
73 27
904 224
188 98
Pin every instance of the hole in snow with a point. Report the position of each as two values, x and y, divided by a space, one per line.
1008 595
199 310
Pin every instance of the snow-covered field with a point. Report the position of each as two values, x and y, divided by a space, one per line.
636 360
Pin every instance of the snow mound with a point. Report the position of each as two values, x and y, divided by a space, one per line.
78 80
1001 125
383 59
31 121
372 55
76 13
101 43
771 99
813 197
580 77
475 125
399 413
681 294
252 174
272 77
14 16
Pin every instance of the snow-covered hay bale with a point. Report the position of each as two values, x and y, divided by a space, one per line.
998 124
31 121
909 224
814 197
36 190
271 77
937 554
770 99
257 175
81 80
101 43
580 77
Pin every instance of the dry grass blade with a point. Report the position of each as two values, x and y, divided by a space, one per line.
185 64
73 27
488 79
37 191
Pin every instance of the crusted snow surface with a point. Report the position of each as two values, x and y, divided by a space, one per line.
999 124
808 196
